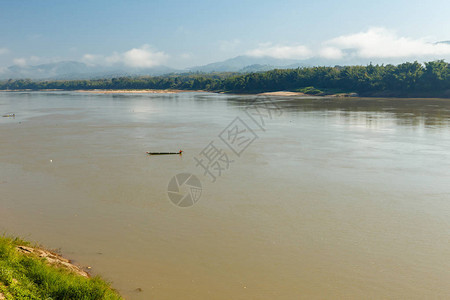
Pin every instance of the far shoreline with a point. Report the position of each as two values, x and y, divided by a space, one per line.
137 91
284 93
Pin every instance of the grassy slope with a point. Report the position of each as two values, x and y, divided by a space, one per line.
30 277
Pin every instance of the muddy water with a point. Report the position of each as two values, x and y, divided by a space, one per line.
333 199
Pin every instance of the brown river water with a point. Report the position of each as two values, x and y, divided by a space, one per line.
328 198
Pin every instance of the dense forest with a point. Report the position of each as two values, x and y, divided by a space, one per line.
407 79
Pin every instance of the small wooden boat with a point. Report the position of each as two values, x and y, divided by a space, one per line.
165 153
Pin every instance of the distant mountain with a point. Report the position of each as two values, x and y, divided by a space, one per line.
256 68
69 70
44 70
77 70
101 72
245 64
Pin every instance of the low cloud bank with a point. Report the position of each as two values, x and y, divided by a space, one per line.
376 43
143 57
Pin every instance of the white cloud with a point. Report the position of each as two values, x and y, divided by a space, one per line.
143 57
90 58
383 43
34 60
281 51
114 58
4 51
375 43
22 62
331 53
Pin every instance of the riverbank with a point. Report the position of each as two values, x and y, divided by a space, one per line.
30 272
304 92
145 91
428 80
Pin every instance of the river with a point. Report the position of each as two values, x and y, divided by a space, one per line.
309 198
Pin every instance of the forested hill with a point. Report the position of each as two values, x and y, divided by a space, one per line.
407 79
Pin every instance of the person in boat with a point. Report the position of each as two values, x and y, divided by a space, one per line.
163 153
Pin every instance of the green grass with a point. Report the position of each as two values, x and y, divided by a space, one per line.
30 277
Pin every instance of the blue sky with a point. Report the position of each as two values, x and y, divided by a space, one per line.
187 33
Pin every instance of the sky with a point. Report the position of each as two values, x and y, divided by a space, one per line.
180 34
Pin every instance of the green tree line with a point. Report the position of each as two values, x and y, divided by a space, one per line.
404 79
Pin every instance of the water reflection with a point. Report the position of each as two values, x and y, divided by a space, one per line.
431 113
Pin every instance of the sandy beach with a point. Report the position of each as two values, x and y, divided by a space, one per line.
284 93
